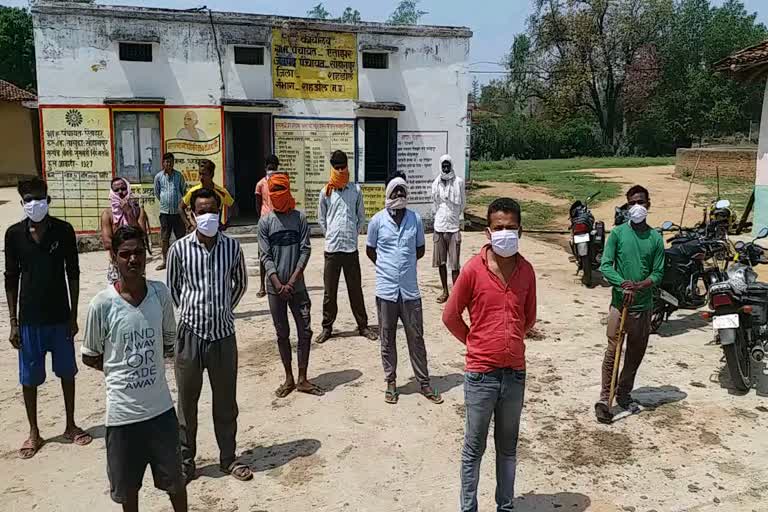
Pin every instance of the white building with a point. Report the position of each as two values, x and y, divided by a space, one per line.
118 86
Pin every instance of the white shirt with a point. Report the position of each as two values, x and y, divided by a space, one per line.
448 199
342 217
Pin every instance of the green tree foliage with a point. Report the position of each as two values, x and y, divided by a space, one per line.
406 13
318 12
350 16
17 48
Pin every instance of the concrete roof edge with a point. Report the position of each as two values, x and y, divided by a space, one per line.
234 18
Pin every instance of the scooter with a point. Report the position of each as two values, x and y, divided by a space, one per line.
588 239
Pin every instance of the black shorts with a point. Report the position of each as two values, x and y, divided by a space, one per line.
171 223
131 447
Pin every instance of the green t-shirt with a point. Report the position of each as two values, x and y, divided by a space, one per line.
633 256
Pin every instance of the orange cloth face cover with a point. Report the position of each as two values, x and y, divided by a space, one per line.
282 200
339 180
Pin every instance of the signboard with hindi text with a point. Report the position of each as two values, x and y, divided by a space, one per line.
314 64
373 198
78 163
304 147
418 157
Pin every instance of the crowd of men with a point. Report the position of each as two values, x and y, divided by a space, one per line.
134 323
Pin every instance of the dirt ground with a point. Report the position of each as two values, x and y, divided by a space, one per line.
696 448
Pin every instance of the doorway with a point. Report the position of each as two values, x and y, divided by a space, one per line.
251 137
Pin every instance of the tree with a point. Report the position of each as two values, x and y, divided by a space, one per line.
318 12
350 16
17 47
406 13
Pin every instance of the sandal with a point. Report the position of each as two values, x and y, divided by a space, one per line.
284 390
432 395
239 471
310 389
391 396
30 448
78 436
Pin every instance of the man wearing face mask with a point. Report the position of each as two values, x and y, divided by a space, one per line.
124 210
395 243
264 206
42 286
207 278
633 263
498 287
448 197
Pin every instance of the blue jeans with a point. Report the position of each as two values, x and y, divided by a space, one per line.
499 394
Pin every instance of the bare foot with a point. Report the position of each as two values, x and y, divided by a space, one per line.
442 298
309 388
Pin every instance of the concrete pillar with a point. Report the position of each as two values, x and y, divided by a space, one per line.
761 177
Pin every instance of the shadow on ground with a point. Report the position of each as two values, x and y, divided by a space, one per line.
653 397
264 458
682 324
724 379
442 383
331 380
560 502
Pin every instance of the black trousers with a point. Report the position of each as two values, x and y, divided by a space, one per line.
335 263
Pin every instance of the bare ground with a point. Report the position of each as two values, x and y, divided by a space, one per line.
696 448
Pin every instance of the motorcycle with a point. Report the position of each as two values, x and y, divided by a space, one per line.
740 313
588 239
684 270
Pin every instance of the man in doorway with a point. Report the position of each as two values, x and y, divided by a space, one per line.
207 278
264 206
341 214
448 198
130 328
498 287
285 249
207 171
124 210
42 286
170 187
395 243
633 263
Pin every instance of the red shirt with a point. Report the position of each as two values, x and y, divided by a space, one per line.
499 313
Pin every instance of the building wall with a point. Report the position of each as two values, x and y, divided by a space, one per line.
761 180
18 135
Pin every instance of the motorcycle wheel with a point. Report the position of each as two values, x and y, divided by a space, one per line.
657 318
586 269
737 362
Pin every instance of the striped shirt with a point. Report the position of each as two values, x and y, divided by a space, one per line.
169 190
205 285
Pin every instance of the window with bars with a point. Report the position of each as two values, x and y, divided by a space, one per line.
136 52
372 60
249 55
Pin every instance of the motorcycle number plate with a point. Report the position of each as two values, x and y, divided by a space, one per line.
580 239
726 322
668 297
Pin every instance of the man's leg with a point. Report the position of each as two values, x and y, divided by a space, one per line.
388 313
331 273
131 503
413 322
638 331
505 433
31 375
279 310
481 392
161 434
62 348
221 362
354 280
179 228
165 239
439 260
189 382
454 256
612 331
262 271
127 458
301 308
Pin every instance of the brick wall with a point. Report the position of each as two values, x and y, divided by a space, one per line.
731 162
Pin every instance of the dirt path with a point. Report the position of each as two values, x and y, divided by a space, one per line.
701 449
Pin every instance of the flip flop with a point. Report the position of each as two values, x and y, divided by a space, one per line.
442 299
79 437
433 396
312 390
261 294
283 390
239 471
30 448
391 396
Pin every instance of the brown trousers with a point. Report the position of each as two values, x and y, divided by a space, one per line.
638 329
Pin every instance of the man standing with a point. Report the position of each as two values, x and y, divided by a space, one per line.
42 286
498 287
264 206
633 263
285 249
395 243
170 187
124 210
447 204
341 214
207 171
130 329
207 278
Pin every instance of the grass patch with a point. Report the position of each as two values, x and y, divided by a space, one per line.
737 191
536 215
557 175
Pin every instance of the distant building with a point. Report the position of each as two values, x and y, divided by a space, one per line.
751 64
19 134
118 86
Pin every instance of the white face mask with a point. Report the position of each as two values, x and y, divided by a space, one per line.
207 224
505 243
397 203
638 213
36 209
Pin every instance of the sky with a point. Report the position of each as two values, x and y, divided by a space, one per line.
494 25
